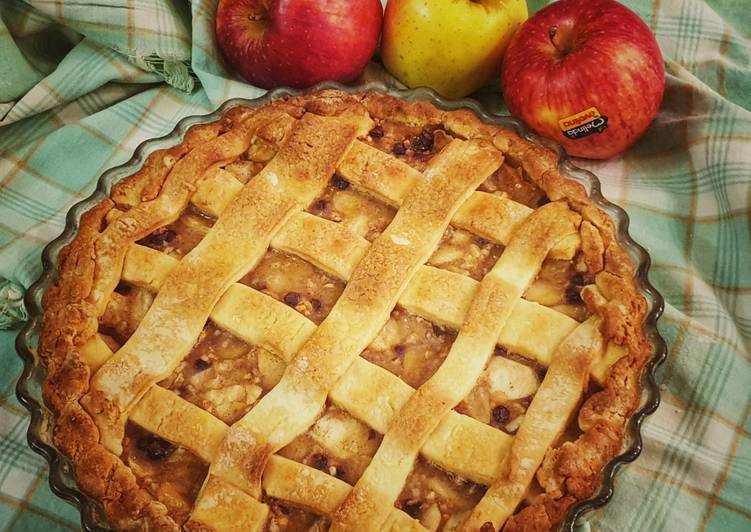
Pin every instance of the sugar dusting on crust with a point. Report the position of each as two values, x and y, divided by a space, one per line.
568 473
273 179
400 240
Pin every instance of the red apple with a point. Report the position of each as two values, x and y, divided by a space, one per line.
585 73
298 43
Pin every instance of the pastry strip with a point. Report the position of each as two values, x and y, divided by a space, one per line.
444 298
314 490
232 246
184 166
379 278
171 417
223 507
327 245
545 421
383 479
437 295
460 444
271 324
487 215
215 192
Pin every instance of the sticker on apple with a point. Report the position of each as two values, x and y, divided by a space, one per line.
583 123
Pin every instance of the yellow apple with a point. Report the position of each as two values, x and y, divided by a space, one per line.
452 46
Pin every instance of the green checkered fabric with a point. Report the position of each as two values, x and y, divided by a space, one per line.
83 83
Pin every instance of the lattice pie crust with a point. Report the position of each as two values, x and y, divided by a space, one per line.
347 312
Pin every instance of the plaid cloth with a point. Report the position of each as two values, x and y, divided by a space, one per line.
83 83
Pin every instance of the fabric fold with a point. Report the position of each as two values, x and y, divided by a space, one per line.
82 84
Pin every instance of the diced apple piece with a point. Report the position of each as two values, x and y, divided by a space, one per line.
431 518
271 368
342 435
509 380
545 293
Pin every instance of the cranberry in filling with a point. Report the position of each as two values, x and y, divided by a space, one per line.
422 143
461 252
436 498
296 283
503 393
178 238
339 183
410 347
223 375
159 239
172 474
155 448
360 213
376 132
337 444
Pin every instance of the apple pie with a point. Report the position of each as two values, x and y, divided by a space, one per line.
347 312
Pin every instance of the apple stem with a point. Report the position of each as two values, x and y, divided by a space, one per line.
558 40
552 31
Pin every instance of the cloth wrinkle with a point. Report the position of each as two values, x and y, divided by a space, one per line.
82 84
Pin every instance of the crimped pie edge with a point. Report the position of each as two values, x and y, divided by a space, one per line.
605 413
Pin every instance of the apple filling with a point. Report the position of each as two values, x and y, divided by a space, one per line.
337 444
359 212
223 375
503 392
283 518
558 285
172 474
510 179
125 310
297 283
461 252
410 347
179 237
438 499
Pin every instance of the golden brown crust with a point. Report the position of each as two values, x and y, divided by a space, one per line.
69 321
568 473
623 310
417 419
